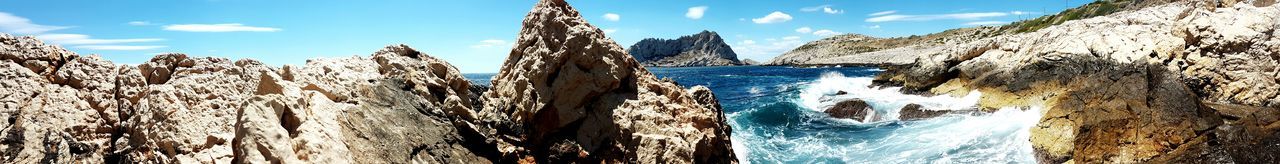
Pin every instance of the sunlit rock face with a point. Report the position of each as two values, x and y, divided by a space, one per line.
566 94
1128 87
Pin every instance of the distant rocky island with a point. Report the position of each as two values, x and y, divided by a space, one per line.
555 101
702 49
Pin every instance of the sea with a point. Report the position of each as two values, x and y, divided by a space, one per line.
776 116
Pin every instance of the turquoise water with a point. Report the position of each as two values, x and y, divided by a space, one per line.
776 117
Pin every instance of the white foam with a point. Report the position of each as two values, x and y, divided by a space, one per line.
821 94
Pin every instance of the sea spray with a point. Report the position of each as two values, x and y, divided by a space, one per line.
887 101
794 130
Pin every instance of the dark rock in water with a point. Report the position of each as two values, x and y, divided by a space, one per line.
842 93
917 112
702 49
855 109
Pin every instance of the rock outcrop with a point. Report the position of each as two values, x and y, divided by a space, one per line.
702 49
1125 87
855 109
566 94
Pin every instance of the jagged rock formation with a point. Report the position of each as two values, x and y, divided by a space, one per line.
702 49
397 106
1128 87
567 93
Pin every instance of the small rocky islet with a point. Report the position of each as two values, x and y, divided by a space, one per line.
1166 82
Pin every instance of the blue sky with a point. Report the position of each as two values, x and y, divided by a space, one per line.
474 35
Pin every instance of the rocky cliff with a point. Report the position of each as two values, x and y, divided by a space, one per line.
1191 81
556 101
703 49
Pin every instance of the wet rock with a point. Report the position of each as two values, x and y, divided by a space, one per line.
918 112
855 109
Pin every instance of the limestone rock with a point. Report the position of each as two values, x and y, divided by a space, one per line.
1119 88
581 99
702 49
567 84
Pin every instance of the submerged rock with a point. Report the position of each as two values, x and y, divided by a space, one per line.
855 109
702 49
916 112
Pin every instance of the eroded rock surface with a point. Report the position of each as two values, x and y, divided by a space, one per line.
1121 88
567 93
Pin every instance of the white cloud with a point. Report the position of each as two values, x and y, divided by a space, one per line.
612 17
874 27
140 23
610 30
960 16
1022 12
18 25
696 12
883 13
491 43
825 33
804 30
227 27
118 47
824 8
985 23
79 39
829 10
775 17
768 49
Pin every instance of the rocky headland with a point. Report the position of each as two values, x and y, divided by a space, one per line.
702 49
1180 82
566 93
862 50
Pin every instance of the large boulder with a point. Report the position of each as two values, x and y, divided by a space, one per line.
567 89
855 109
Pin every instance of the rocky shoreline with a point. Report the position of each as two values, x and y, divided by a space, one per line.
1184 82
554 101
